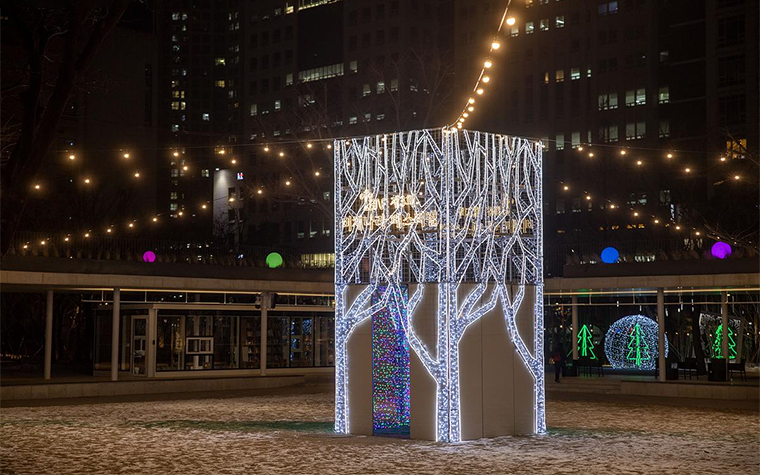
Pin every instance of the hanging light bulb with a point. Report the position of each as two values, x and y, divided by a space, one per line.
329 146
37 187
495 45
486 79
480 91
511 21
622 152
282 154
316 173
670 155
487 64
309 145
126 155
566 188
155 219
137 174
639 162
72 157
471 109
259 191
471 100
266 149
465 115
287 183
176 153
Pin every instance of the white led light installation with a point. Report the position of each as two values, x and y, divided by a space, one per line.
439 208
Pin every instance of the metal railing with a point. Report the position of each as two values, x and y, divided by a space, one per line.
556 258
127 249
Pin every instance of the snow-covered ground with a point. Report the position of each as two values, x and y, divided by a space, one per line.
293 434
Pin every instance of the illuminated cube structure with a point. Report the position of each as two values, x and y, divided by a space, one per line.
438 285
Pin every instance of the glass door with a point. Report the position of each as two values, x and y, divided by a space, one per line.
139 344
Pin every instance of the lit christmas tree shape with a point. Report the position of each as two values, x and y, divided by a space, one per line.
717 346
711 329
638 349
586 343
448 224
631 343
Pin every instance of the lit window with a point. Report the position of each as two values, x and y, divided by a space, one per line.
664 95
514 31
367 117
588 72
175 127
635 130
277 105
289 78
546 77
575 74
220 61
219 83
254 109
353 66
380 89
560 143
608 101
559 21
394 85
575 139
641 96
380 117
173 195
352 120
206 116
173 206
559 76
366 90
529 28
544 24
175 172
205 173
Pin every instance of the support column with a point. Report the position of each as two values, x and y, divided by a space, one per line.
574 310
724 322
263 340
48 334
115 335
661 333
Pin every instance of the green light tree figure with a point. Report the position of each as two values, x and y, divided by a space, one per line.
585 343
718 343
638 350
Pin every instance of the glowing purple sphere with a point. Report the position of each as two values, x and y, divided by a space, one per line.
149 256
721 250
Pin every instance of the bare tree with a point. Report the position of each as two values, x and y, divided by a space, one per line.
59 41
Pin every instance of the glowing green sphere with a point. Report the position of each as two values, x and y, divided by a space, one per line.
274 260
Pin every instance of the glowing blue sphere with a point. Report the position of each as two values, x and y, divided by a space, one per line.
610 255
631 343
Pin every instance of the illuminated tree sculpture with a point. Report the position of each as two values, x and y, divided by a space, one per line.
586 343
631 343
717 347
426 212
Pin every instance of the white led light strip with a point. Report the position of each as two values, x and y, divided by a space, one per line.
439 208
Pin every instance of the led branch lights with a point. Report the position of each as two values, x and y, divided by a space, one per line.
438 211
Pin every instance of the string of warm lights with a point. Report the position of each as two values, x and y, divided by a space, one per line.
279 149
484 78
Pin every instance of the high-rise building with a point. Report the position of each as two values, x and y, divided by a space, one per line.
315 70
200 107
635 100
